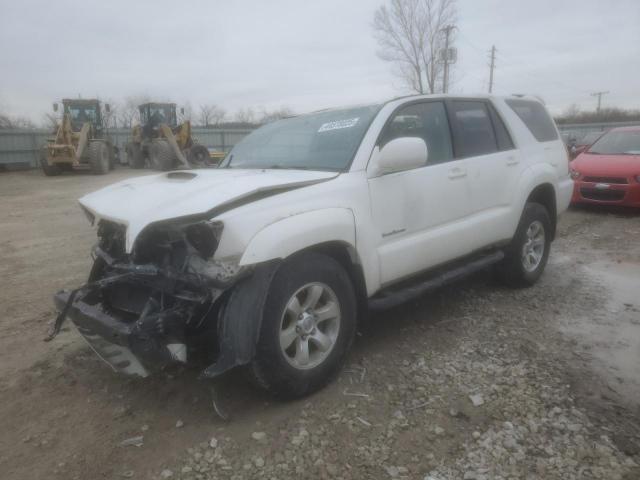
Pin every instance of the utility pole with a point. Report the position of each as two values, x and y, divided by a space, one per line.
492 67
445 78
599 95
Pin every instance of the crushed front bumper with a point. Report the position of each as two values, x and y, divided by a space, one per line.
120 344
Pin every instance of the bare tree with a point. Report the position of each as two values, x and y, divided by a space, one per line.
273 115
49 121
410 34
211 115
245 115
128 113
111 117
571 111
11 121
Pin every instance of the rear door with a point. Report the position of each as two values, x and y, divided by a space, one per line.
493 166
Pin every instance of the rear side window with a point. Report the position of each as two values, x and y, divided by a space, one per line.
474 133
502 135
536 118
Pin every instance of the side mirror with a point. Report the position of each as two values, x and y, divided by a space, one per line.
107 108
401 154
55 107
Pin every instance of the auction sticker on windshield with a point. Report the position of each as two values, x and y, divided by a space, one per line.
338 124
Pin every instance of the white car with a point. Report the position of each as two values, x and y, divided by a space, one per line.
269 261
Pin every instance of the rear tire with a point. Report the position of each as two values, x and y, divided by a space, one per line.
49 170
134 155
162 155
294 323
99 158
199 156
527 255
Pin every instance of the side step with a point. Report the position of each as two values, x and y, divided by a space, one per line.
392 297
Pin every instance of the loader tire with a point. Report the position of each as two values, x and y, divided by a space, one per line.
99 158
134 155
162 155
199 156
49 170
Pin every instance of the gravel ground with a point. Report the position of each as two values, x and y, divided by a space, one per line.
472 382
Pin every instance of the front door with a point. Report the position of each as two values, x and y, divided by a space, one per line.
419 213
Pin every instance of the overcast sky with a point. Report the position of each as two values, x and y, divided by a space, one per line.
303 54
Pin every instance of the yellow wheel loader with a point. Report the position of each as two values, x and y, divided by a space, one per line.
81 140
163 144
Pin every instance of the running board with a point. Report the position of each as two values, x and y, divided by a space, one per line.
391 298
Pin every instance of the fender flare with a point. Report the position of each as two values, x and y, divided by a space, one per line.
300 231
240 318
530 179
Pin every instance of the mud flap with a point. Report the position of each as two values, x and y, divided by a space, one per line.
240 320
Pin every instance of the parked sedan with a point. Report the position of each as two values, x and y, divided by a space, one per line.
608 172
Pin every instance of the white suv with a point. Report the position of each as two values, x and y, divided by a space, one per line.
269 261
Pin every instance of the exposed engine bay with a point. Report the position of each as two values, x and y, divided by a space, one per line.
157 305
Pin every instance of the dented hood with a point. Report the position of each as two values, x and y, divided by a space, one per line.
138 202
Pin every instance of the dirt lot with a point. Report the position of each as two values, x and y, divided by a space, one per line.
472 382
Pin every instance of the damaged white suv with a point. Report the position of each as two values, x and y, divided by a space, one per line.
268 261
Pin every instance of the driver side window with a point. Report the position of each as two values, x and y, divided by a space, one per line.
426 120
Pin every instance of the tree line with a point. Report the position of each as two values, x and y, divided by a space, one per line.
573 114
126 114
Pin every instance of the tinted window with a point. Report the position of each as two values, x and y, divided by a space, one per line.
319 141
425 120
536 118
474 129
502 135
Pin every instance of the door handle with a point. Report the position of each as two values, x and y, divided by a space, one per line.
457 172
512 160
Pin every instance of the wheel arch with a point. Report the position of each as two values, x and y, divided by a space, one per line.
545 195
347 256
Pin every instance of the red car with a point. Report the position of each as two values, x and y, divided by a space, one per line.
585 142
608 172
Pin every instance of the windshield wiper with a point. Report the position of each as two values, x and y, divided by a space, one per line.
287 167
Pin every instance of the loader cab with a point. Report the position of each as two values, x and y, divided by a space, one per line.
154 114
83 111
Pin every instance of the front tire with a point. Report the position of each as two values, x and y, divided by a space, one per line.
527 255
308 326
48 170
161 155
99 158
199 156
134 155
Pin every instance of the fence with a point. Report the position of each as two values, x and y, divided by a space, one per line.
579 130
21 147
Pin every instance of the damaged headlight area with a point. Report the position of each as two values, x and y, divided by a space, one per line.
157 305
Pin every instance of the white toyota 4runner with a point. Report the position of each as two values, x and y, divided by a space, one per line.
269 261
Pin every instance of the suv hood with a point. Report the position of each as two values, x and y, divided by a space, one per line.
138 202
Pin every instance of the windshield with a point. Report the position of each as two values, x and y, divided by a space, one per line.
318 141
589 138
156 115
82 114
622 142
